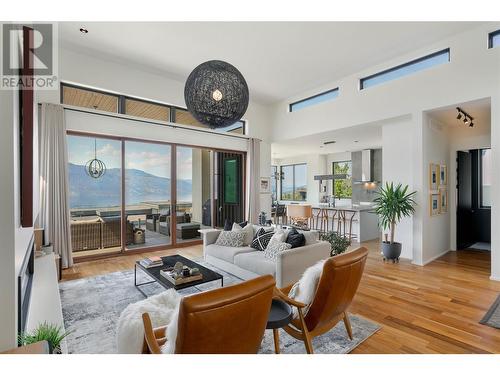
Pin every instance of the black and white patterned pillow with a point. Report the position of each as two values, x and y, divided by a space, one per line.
261 239
274 248
231 239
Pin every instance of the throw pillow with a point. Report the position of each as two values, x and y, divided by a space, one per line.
261 239
248 230
279 235
231 239
228 226
274 248
305 289
295 238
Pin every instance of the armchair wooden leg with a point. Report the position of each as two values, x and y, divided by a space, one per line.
305 332
347 324
276 336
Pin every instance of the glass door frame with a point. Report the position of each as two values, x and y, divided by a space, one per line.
173 193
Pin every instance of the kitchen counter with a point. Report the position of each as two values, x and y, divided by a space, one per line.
351 207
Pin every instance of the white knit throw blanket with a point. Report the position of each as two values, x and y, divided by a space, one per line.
305 289
130 329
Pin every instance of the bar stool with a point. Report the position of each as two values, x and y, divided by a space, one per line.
317 220
330 216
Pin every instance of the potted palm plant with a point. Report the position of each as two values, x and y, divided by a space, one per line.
391 205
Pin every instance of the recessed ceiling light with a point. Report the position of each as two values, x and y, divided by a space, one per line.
83 30
329 142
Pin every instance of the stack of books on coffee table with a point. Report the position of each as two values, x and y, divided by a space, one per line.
151 262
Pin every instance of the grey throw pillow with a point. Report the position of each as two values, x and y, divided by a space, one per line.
248 230
274 248
231 239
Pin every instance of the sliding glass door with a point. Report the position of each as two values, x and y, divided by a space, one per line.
194 192
95 198
148 197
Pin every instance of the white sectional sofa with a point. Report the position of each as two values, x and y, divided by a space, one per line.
247 263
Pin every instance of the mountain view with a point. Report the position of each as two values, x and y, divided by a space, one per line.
105 191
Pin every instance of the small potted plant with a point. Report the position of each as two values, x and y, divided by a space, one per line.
338 243
391 205
51 333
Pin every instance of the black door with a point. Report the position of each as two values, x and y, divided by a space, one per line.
229 188
465 225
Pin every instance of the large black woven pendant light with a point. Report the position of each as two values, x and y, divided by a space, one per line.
216 94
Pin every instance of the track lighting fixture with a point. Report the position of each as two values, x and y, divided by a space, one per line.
467 119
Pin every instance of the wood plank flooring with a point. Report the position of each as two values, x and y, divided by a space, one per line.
431 309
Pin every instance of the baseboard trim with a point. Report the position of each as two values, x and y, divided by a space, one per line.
424 263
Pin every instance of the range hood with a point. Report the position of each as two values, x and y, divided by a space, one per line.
363 163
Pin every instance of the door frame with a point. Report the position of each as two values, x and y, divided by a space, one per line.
173 193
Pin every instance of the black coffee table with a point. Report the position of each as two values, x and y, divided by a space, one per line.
169 261
280 316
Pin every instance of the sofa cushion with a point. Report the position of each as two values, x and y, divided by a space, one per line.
295 238
225 252
261 239
248 230
256 262
274 248
232 239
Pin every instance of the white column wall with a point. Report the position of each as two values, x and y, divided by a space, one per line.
398 168
495 188
436 239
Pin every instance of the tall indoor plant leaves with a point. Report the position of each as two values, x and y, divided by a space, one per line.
393 204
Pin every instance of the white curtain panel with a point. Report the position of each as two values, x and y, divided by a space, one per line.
253 180
54 186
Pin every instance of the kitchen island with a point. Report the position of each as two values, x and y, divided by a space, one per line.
357 220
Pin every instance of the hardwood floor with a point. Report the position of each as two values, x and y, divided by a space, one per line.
431 309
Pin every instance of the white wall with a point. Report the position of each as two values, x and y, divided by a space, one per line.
436 229
7 224
473 73
15 239
495 188
397 161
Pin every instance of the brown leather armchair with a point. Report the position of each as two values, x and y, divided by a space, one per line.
229 320
336 288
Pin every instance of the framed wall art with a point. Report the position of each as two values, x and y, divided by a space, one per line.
433 176
443 198
434 203
443 175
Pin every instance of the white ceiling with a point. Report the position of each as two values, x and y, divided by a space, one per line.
346 140
278 59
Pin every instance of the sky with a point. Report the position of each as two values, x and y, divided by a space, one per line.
149 157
